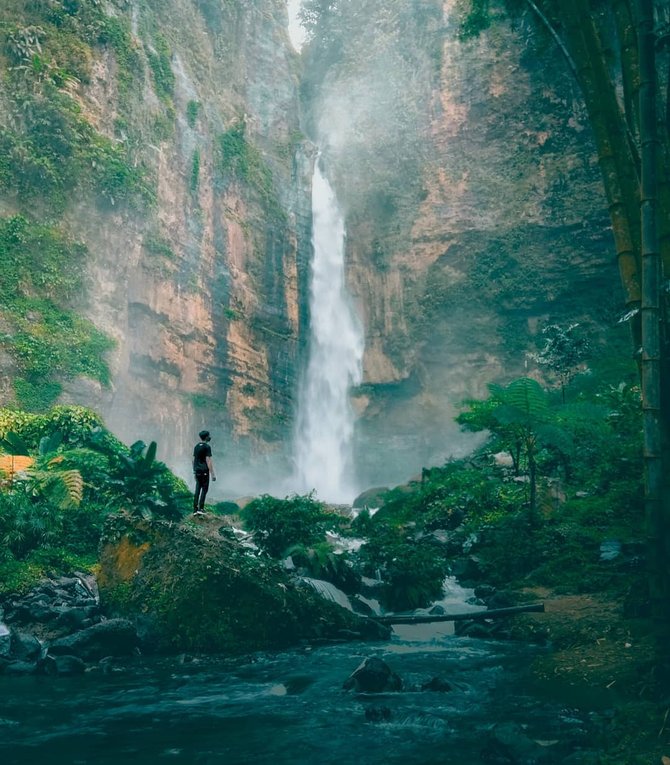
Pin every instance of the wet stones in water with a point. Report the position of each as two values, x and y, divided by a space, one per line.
25 647
5 640
377 714
508 744
116 637
373 676
440 684
360 606
64 665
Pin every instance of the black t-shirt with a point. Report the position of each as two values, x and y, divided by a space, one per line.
200 454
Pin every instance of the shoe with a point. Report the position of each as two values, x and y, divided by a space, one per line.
198 512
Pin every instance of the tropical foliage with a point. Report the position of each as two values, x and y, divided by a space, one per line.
61 474
281 523
614 51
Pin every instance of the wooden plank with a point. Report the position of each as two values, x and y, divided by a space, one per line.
491 613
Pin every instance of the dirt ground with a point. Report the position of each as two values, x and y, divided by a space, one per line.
600 661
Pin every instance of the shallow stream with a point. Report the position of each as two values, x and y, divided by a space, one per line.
290 707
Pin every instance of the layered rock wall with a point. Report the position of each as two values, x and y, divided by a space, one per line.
199 287
475 213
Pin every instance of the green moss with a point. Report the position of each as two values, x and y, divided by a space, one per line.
35 397
161 69
241 160
49 342
192 111
155 245
18 576
236 602
203 401
195 171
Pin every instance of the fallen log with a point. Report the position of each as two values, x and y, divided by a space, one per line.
492 613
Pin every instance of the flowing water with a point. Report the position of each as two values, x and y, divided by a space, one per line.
284 709
290 708
325 422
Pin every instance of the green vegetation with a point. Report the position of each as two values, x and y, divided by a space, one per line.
41 275
241 160
61 474
54 151
161 69
195 171
530 507
156 245
586 460
192 112
49 149
282 523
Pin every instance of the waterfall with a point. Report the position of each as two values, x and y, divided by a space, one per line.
325 421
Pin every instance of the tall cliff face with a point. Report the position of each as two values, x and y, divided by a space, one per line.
475 212
155 211
194 245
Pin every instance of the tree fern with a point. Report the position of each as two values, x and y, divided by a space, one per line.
525 399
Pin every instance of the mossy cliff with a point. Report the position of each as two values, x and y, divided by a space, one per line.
155 210
193 587
154 207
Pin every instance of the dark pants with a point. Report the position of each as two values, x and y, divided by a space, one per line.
201 488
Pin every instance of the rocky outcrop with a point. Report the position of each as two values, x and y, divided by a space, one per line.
58 628
199 280
474 210
193 587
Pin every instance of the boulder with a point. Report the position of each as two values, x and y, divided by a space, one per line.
508 743
114 637
25 647
187 588
19 668
370 498
63 665
373 675
440 684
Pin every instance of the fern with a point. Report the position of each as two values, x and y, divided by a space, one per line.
74 485
527 396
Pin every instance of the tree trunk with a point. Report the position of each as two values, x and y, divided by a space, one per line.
492 613
658 522
616 160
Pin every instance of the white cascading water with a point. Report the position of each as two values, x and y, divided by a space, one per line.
325 422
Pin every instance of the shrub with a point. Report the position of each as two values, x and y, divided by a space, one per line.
279 523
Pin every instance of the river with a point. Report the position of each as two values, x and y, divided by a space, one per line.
290 708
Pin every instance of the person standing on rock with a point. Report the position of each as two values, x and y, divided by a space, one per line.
203 468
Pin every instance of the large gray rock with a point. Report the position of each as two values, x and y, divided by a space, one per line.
114 637
25 647
64 665
373 676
